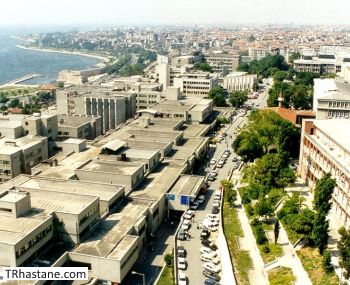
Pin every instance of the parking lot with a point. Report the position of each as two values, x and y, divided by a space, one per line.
194 267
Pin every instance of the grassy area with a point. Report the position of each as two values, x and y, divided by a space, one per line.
312 262
15 91
275 251
167 277
293 236
240 258
281 275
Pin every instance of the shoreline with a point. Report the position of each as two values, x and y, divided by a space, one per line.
103 59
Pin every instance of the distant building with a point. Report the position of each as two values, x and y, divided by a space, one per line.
296 117
222 62
318 65
331 99
258 53
239 81
196 83
325 148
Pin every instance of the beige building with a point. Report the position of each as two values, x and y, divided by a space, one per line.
196 84
239 81
82 127
113 107
222 62
257 53
325 148
317 65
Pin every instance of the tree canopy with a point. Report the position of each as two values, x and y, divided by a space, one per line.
238 98
218 96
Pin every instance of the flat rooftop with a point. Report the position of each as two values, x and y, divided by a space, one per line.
9 146
111 231
51 201
105 192
195 130
144 144
337 129
13 230
188 185
189 148
140 153
112 166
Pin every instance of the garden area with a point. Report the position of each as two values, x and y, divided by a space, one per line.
232 230
281 275
167 277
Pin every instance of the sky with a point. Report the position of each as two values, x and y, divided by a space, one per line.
138 12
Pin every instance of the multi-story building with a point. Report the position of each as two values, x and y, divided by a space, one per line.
222 62
113 107
239 81
318 65
331 99
325 148
82 127
258 53
196 84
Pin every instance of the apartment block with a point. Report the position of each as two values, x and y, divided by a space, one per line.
257 53
82 127
318 65
324 149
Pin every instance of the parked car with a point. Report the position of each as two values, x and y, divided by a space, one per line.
216 203
181 234
212 227
206 250
185 225
220 164
181 251
209 244
205 234
194 205
211 266
201 199
215 210
183 278
225 155
209 282
213 161
213 260
211 275
212 217
181 263
211 178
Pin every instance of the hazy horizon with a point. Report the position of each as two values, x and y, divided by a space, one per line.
170 12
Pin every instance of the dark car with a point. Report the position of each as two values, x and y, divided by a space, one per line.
181 251
215 210
205 234
211 275
209 282
209 244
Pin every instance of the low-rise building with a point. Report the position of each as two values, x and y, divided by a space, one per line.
318 65
222 62
239 81
81 127
196 83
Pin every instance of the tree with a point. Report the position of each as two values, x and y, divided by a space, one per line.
303 222
327 266
263 208
168 258
14 103
217 90
319 234
219 101
256 86
238 98
276 229
344 251
295 55
203 66
60 84
280 76
221 120
323 194
260 234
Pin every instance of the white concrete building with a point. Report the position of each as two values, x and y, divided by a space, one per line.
239 81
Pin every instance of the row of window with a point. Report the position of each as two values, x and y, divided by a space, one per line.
89 214
338 114
339 104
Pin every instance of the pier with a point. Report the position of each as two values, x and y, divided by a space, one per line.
22 79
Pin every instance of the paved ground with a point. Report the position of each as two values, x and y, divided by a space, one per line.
151 262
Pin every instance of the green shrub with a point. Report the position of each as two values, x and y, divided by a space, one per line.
168 258
327 266
266 249
250 210
260 235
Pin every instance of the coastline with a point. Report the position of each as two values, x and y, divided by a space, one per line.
103 59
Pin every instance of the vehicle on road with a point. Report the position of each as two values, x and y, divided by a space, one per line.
211 178
211 275
205 234
213 161
216 203
225 155
182 278
181 263
181 251
206 250
210 282
219 165
212 217
212 227
211 266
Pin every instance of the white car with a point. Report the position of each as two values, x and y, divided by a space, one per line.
206 250
182 278
212 216
206 258
181 263
190 213
186 225
216 204
201 199
212 227
225 155
213 161
211 267
220 164
207 222
188 216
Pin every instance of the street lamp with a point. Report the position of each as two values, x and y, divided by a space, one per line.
143 276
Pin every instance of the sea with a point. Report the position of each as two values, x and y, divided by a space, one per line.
16 62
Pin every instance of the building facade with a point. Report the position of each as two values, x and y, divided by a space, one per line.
239 81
